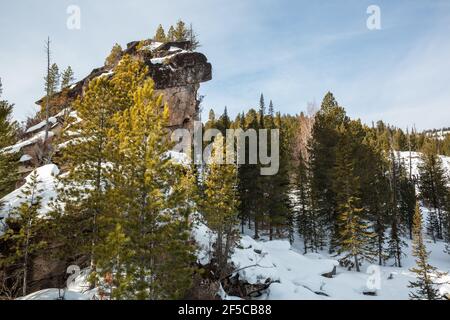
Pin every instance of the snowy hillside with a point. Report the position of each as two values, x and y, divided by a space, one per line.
295 276
46 190
415 160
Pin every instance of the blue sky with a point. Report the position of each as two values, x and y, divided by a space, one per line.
292 51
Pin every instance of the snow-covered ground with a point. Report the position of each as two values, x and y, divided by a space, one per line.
300 276
46 190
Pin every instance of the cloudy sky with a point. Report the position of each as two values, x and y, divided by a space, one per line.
292 51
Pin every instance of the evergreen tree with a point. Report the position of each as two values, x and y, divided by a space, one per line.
52 79
153 197
276 188
251 204
219 206
434 191
397 231
211 115
8 160
425 286
83 188
171 34
22 229
354 234
160 35
193 39
322 150
67 78
271 109
376 195
262 107
114 56
180 33
304 209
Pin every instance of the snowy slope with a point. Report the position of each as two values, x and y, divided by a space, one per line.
415 161
46 189
300 276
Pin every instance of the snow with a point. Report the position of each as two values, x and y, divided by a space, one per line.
78 289
415 160
40 125
46 186
174 49
18 146
204 238
179 157
164 59
152 46
300 276
25 158
55 294
106 74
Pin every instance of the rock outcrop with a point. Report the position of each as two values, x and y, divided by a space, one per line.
176 71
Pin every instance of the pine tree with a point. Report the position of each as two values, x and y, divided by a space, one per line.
22 231
303 207
276 188
354 234
160 35
397 232
193 38
152 194
250 207
67 78
51 84
271 109
211 115
180 32
322 150
171 34
8 160
114 56
219 207
425 286
83 190
434 191
376 195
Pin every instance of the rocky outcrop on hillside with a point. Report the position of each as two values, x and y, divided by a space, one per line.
176 71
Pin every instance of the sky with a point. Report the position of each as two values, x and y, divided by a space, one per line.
292 51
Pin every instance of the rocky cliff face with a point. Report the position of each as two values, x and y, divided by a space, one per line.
176 71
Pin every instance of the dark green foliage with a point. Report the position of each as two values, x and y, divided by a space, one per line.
425 285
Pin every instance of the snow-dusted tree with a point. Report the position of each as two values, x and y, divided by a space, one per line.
434 191
425 285
22 232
